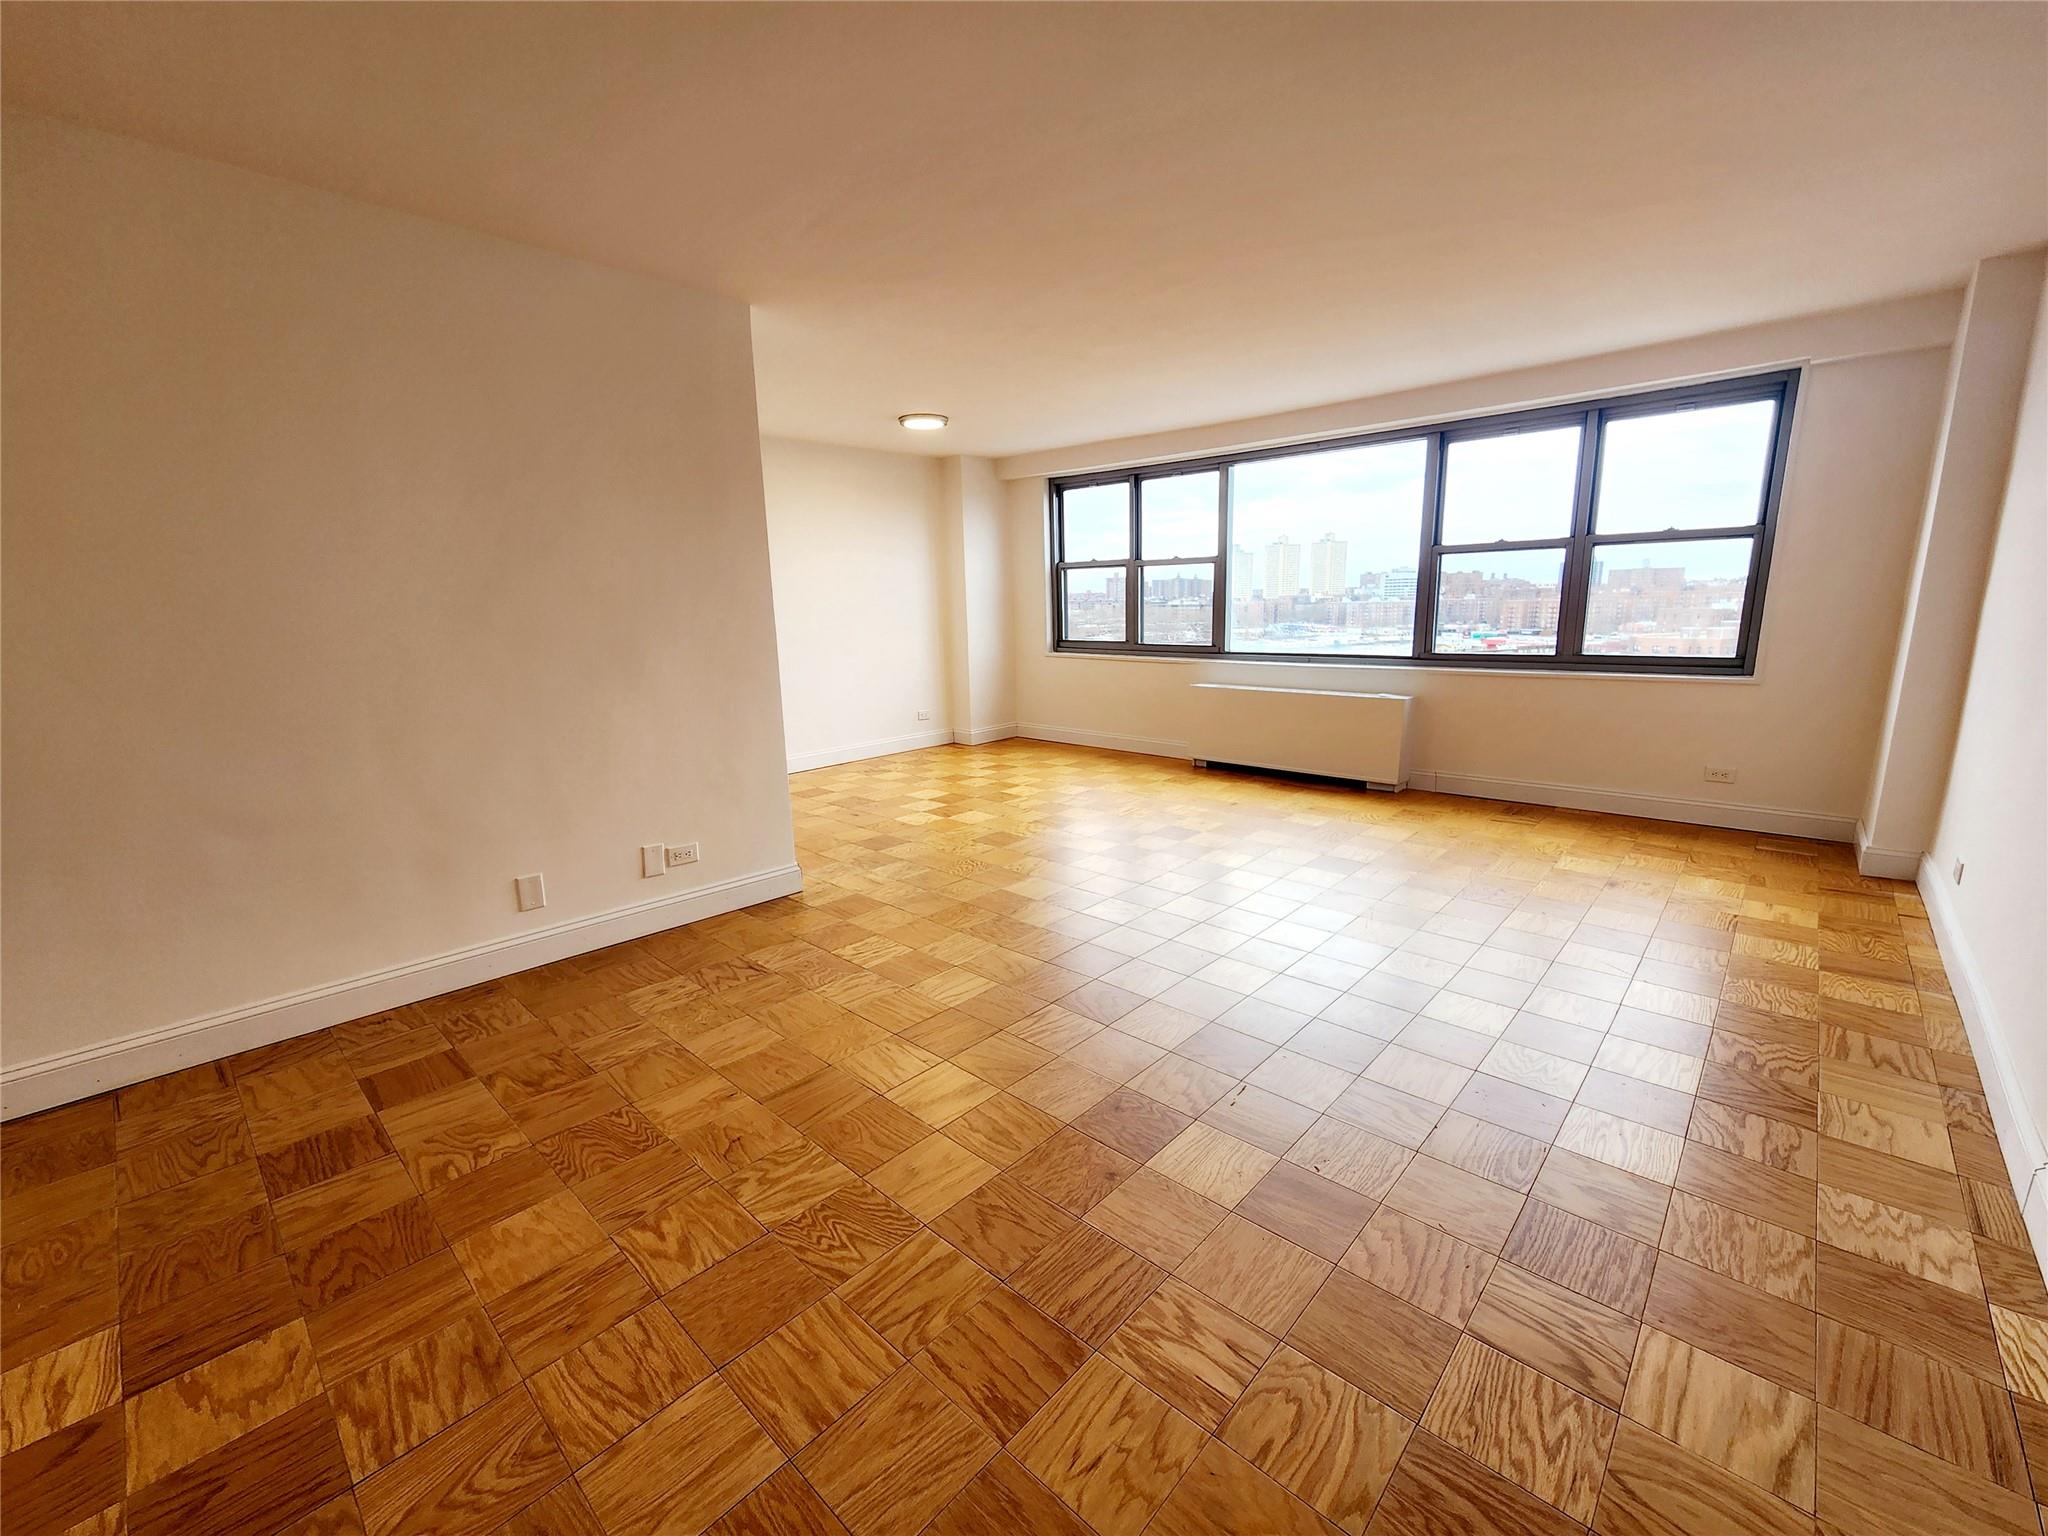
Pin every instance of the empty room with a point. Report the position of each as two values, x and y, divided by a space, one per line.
1012 769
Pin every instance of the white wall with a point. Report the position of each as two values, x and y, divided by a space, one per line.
1987 374
857 540
983 625
1800 734
1994 816
354 565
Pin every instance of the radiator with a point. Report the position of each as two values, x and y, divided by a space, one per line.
1302 730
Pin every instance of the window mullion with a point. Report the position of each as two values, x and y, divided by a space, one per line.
1134 577
1218 635
1425 558
1574 595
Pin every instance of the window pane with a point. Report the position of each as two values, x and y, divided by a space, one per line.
1517 486
1095 605
1179 514
1700 468
1096 522
1682 599
1323 548
1179 604
1499 604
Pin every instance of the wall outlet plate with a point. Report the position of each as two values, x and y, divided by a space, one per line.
924 714
1720 775
652 860
531 891
680 854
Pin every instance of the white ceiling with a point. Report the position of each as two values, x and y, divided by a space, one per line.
1070 222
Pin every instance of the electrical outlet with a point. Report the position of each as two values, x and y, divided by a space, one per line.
924 714
531 891
1958 876
652 860
1720 775
680 854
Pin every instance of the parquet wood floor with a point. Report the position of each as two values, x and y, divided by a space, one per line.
1094 1145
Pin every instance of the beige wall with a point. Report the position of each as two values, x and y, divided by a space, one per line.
1800 735
858 544
1994 817
355 565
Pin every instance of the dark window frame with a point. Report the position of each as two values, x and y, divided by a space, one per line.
1580 544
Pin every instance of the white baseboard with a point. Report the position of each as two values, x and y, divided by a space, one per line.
885 746
1883 863
985 734
35 1085
1624 802
1145 744
2023 1142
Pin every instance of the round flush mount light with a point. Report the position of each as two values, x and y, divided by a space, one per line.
921 421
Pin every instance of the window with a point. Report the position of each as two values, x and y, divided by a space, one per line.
1630 534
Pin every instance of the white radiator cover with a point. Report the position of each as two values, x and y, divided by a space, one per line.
1302 730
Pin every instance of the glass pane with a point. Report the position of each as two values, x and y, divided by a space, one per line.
1518 486
1698 468
1095 605
1499 604
1179 604
1179 515
1096 522
1682 599
1322 551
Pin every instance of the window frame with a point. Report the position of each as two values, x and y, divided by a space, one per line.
1579 544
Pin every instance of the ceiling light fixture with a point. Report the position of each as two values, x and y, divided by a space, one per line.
921 421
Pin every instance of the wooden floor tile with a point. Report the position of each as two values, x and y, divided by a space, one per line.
1308 1210
1110 1448
1944 1411
912 1293
1582 1255
1656 1488
63 1478
1195 1353
164 1341
1872 1483
203 1409
1214 1164
1527 1427
1003 1225
1438 1490
1222 1494
1001 1360
1751 1328
742 1299
601 1391
1002 1496
1320 1437
932 1175
1257 1274
286 1470
414 1393
1566 1336
1375 1341
471 1477
897 1459
683 1468
1732 1417
799 1380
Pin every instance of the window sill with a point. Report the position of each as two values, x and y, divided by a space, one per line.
1349 664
